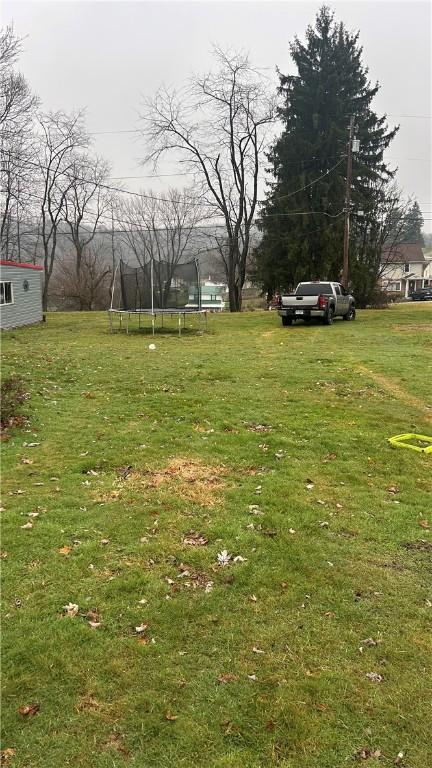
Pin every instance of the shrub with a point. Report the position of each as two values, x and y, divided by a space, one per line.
13 395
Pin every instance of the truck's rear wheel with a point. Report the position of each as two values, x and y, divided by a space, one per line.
286 320
328 320
350 315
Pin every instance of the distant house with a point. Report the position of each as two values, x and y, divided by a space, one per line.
212 296
404 269
20 294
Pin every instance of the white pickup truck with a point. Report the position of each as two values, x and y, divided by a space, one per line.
317 299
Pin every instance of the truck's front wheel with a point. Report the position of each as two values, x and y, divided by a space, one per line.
350 315
286 320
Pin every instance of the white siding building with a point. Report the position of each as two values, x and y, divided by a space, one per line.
20 294
404 269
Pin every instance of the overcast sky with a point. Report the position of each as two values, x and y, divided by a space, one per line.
105 56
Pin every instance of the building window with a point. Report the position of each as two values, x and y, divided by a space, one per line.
406 268
6 293
393 286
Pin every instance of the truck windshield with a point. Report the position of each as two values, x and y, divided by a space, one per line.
313 289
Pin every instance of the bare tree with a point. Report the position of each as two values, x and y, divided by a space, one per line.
61 136
376 235
162 227
87 289
218 125
86 201
17 111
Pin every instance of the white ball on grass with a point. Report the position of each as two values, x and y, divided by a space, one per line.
152 346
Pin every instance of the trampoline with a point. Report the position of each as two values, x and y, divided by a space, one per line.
157 289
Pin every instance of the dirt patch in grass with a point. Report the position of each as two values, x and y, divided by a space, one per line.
418 546
190 480
426 327
396 390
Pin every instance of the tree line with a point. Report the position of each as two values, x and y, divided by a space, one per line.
61 210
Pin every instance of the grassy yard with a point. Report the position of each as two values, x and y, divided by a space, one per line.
309 648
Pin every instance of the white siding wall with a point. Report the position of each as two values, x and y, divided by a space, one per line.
27 306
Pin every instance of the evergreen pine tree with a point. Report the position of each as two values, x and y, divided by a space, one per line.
412 232
302 219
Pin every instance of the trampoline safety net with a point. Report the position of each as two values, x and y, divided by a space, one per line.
160 285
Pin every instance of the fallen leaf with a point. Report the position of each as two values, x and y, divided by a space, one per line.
393 489
169 716
223 558
291 530
194 539
71 609
399 758
375 677
329 457
257 650
228 677
253 598
142 628
424 524
6 755
94 624
27 526
65 550
252 677
239 559
321 707
29 710
104 541
26 461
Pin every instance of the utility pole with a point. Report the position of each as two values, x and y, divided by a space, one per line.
345 265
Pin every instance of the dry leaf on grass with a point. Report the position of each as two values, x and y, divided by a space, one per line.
71 609
194 539
142 628
329 457
424 524
228 677
27 526
223 558
6 755
375 677
169 716
26 461
365 753
392 489
29 710
65 550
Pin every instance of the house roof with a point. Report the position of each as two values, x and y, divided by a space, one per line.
403 253
20 264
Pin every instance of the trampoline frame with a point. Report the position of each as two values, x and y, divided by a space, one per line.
153 311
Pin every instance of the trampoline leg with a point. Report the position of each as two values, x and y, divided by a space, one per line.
110 321
127 324
153 324
139 321
179 324
121 322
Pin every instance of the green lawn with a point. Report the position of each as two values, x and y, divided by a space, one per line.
150 463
